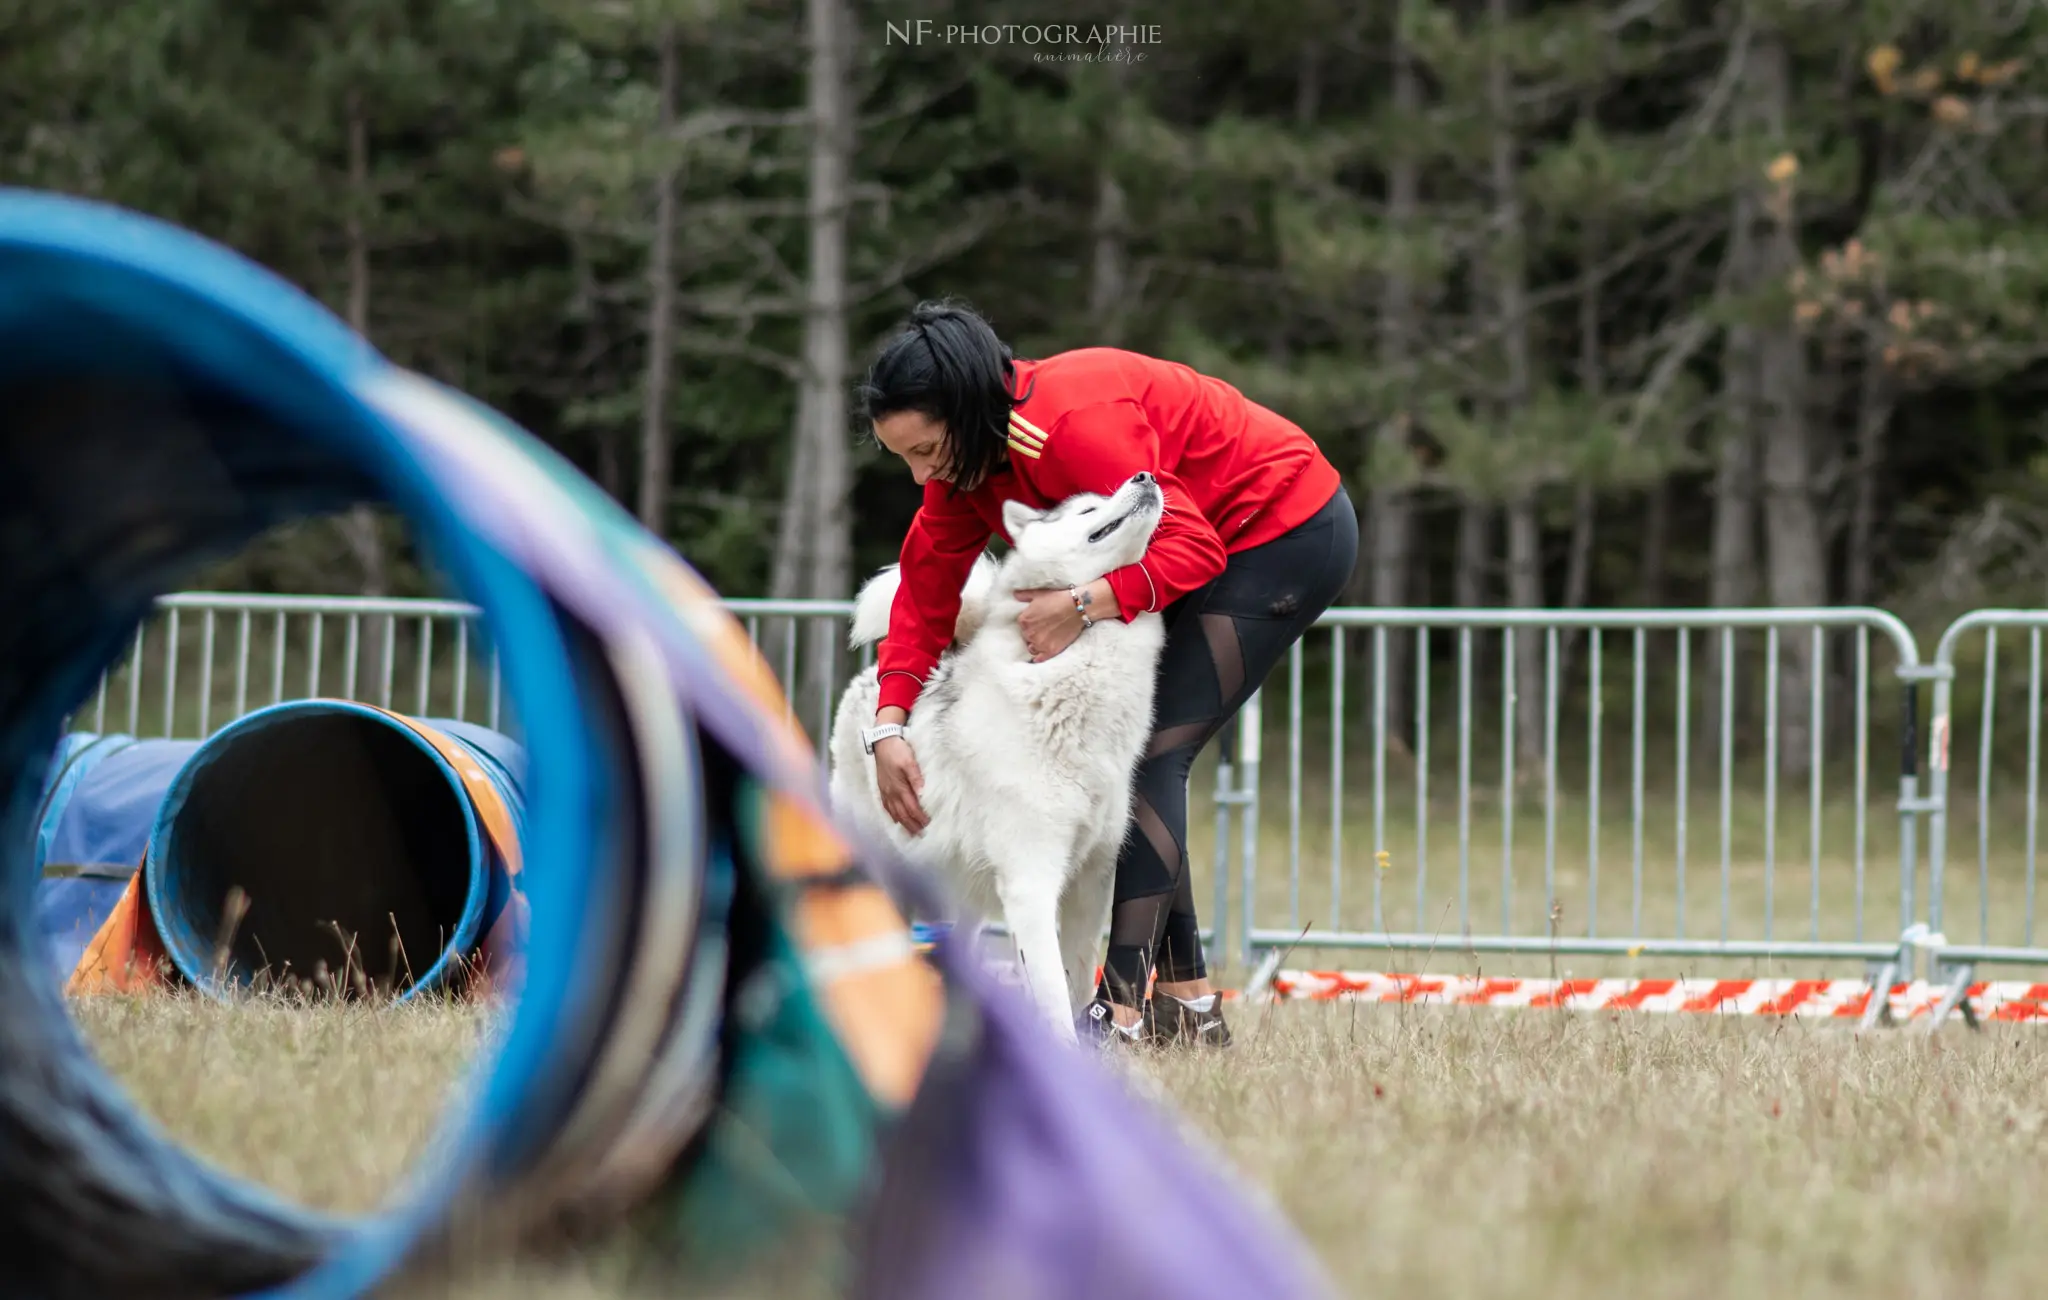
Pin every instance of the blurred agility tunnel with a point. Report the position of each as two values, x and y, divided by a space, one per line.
724 1026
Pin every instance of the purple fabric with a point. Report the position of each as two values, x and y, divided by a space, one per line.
1025 1172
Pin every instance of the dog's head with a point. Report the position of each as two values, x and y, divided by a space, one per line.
1083 537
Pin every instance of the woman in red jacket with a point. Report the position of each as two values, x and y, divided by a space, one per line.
1257 540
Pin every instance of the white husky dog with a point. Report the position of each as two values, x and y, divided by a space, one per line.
1027 766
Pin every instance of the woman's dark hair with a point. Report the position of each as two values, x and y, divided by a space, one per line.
948 365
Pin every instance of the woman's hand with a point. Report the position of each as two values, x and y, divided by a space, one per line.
900 782
1050 622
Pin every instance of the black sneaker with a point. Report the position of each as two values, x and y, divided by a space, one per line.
1170 1020
1098 1028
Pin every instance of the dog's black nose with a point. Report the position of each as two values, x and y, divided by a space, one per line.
1142 476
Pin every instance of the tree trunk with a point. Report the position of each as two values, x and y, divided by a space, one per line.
359 528
1109 287
1578 574
825 341
1873 416
1308 86
791 564
821 402
1525 591
1578 577
1475 554
1391 519
359 200
1578 569
1731 579
656 443
611 469
1525 559
1793 529
1390 507
1308 97
1650 573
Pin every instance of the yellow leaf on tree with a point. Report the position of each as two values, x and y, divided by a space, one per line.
1925 81
1783 168
1966 66
1883 62
1997 74
1951 111
1806 312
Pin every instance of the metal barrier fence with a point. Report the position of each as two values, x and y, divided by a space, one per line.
2000 929
1486 825
294 647
1497 907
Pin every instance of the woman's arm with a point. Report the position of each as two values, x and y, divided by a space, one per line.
938 553
1097 448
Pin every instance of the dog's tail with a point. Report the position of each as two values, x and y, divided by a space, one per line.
871 607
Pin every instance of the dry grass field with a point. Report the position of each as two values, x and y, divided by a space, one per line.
1426 1153
1421 1153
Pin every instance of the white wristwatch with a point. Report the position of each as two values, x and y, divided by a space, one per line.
872 736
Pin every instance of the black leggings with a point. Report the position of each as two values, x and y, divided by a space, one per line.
1221 642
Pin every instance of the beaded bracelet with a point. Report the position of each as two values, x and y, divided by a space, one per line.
1081 600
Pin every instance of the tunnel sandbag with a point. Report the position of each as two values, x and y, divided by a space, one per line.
93 821
725 1029
330 846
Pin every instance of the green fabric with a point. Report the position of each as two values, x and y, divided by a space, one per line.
794 1139
793 1143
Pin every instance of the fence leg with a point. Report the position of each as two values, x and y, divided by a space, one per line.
1250 746
1878 1011
1259 988
1955 997
1218 941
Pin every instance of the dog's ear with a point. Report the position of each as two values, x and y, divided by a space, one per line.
1017 515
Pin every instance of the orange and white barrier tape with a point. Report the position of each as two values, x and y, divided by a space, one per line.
2010 1001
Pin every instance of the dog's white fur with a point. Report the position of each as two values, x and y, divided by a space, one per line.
1027 767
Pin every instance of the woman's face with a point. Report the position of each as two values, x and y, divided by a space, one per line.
919 440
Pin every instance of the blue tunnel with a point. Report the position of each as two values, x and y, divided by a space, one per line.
164 402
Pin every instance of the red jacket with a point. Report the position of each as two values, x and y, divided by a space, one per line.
1235 475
